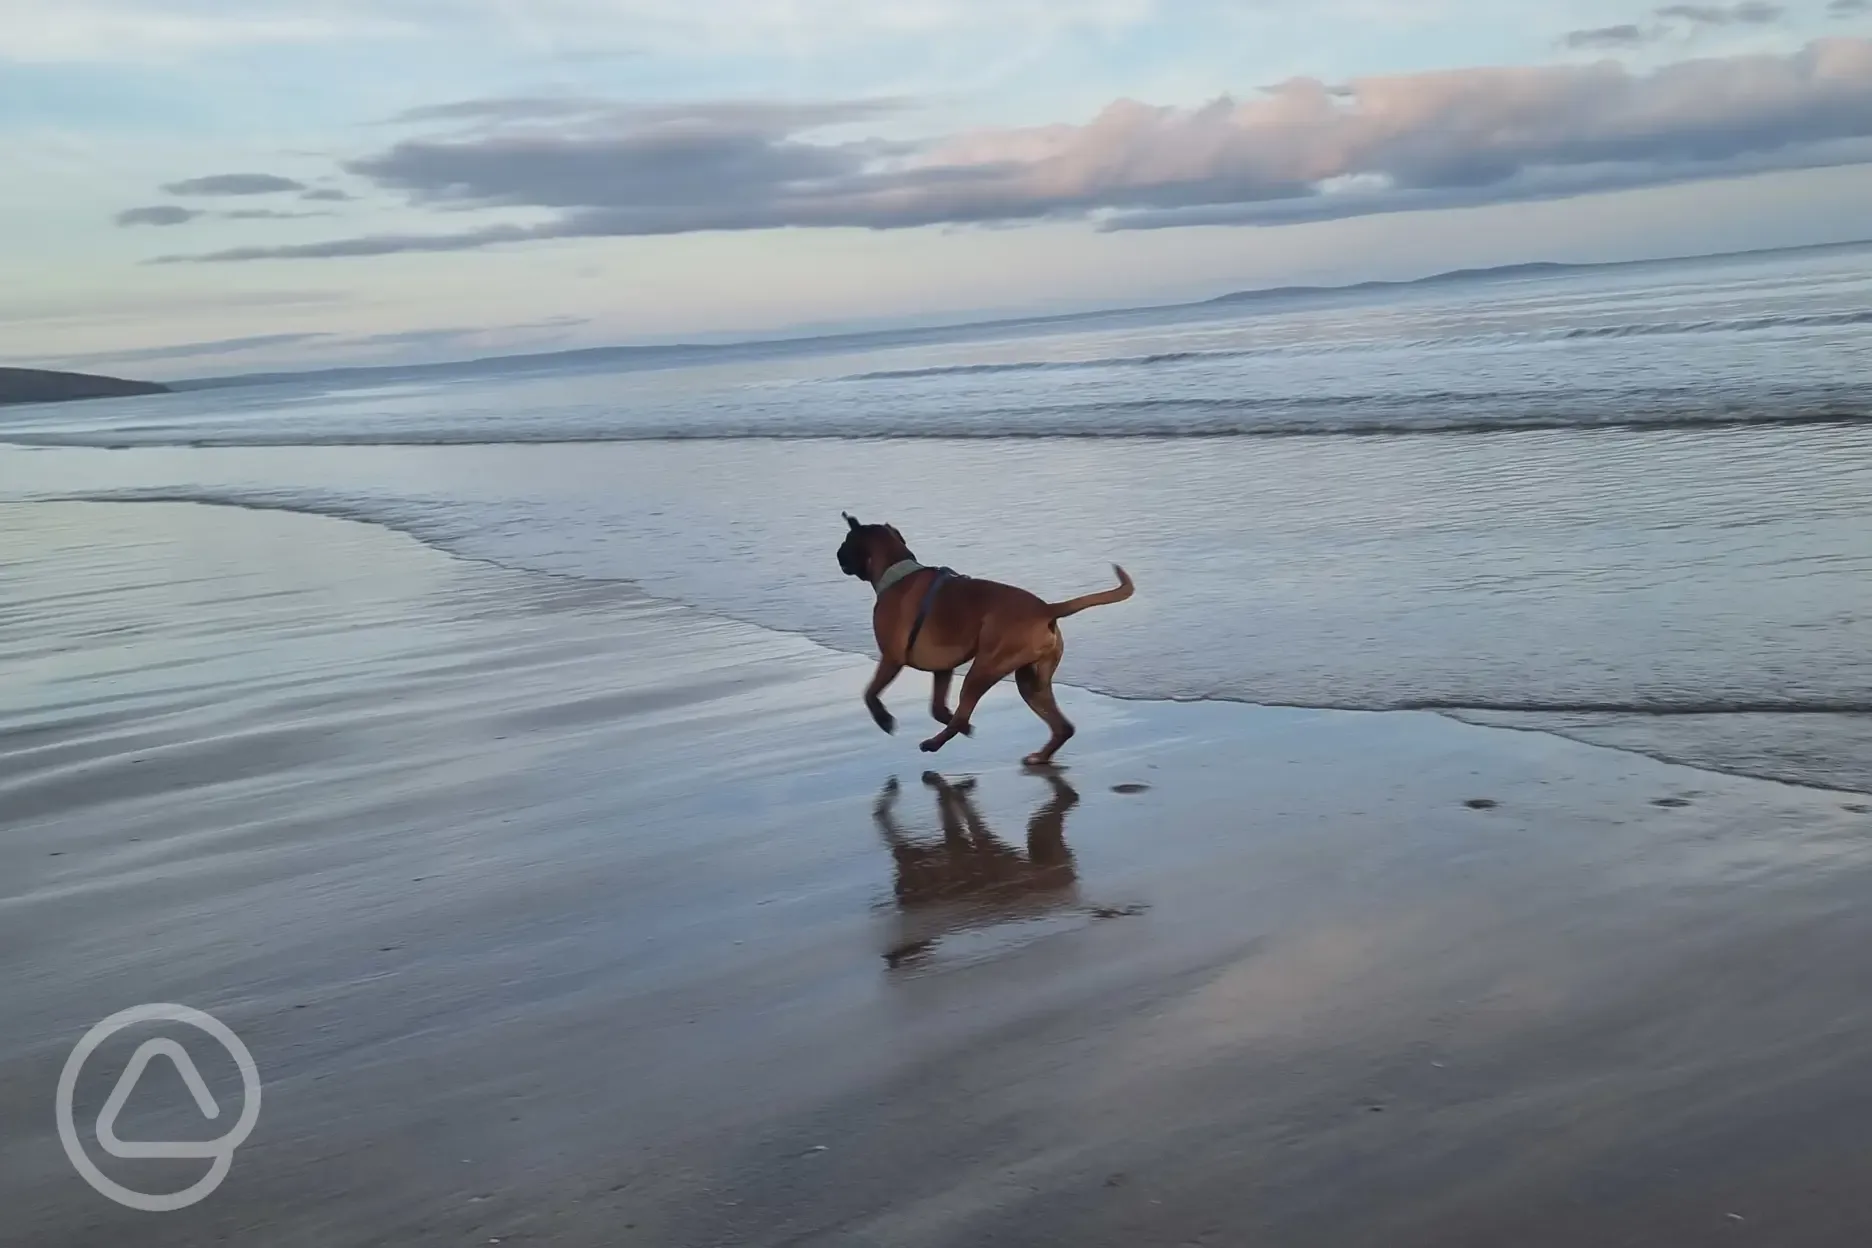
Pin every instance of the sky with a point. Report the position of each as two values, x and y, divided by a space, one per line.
204 187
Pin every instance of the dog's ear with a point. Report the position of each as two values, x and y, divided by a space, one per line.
850 519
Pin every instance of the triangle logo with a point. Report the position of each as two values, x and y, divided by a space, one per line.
185 1066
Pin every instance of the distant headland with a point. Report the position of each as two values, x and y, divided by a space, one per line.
38 385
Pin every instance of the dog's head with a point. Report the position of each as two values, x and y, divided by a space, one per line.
870 548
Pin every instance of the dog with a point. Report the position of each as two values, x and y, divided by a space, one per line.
935 620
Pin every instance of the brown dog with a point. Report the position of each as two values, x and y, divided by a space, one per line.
934 620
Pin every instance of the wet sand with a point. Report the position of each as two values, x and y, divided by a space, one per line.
551 913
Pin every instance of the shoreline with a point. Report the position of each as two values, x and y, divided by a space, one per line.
552 912
1455 714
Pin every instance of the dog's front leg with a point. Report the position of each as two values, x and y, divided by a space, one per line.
980 679
886 672
939 697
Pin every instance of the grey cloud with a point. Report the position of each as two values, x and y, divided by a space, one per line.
591 112
234 184
370 245
1748 13
190 350
1849 8
1524 188
1626 36
1698 16
1299 150
448 336
510 108
410 338
268 214
328 195
157 214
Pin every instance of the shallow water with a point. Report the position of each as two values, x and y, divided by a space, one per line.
1628 504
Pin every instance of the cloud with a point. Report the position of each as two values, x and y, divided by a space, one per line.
1748 13
1527 187
267 214
1849 8
589 114
1300 150
328 195
1697 16
190 350
510 108
660 159
234 184
1626 36
553 326
408 343
157 214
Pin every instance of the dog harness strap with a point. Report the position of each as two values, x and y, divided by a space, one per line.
923 608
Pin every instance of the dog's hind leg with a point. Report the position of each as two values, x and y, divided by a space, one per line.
1035 682
980 679
886 672
1046 831
939 698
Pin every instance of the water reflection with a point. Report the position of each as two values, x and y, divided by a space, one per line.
971 878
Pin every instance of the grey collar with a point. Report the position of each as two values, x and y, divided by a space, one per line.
896 572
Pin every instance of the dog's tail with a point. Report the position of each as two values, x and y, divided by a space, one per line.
1073 606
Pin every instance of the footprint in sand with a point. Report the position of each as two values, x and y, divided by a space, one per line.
1130 788
1672 803
1857 808
1481 803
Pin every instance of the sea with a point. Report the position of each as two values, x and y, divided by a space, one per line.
1630 504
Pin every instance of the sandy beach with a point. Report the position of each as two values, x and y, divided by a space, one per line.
554 913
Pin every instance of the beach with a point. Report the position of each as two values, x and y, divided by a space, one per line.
553 912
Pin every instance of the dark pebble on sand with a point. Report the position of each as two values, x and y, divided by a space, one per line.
1130 788
1481 803
1671 802
1857 808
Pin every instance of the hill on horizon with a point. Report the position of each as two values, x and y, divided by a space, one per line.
40 385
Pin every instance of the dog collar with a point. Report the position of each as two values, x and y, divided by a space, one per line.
896 572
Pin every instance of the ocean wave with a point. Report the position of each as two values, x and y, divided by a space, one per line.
426 523
1809 320
1681 707
1049 366
1146 420
1639 329
1676 735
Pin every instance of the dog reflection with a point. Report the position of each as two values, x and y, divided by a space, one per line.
972 878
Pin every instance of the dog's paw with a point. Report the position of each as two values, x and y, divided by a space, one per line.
885 720
932 745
